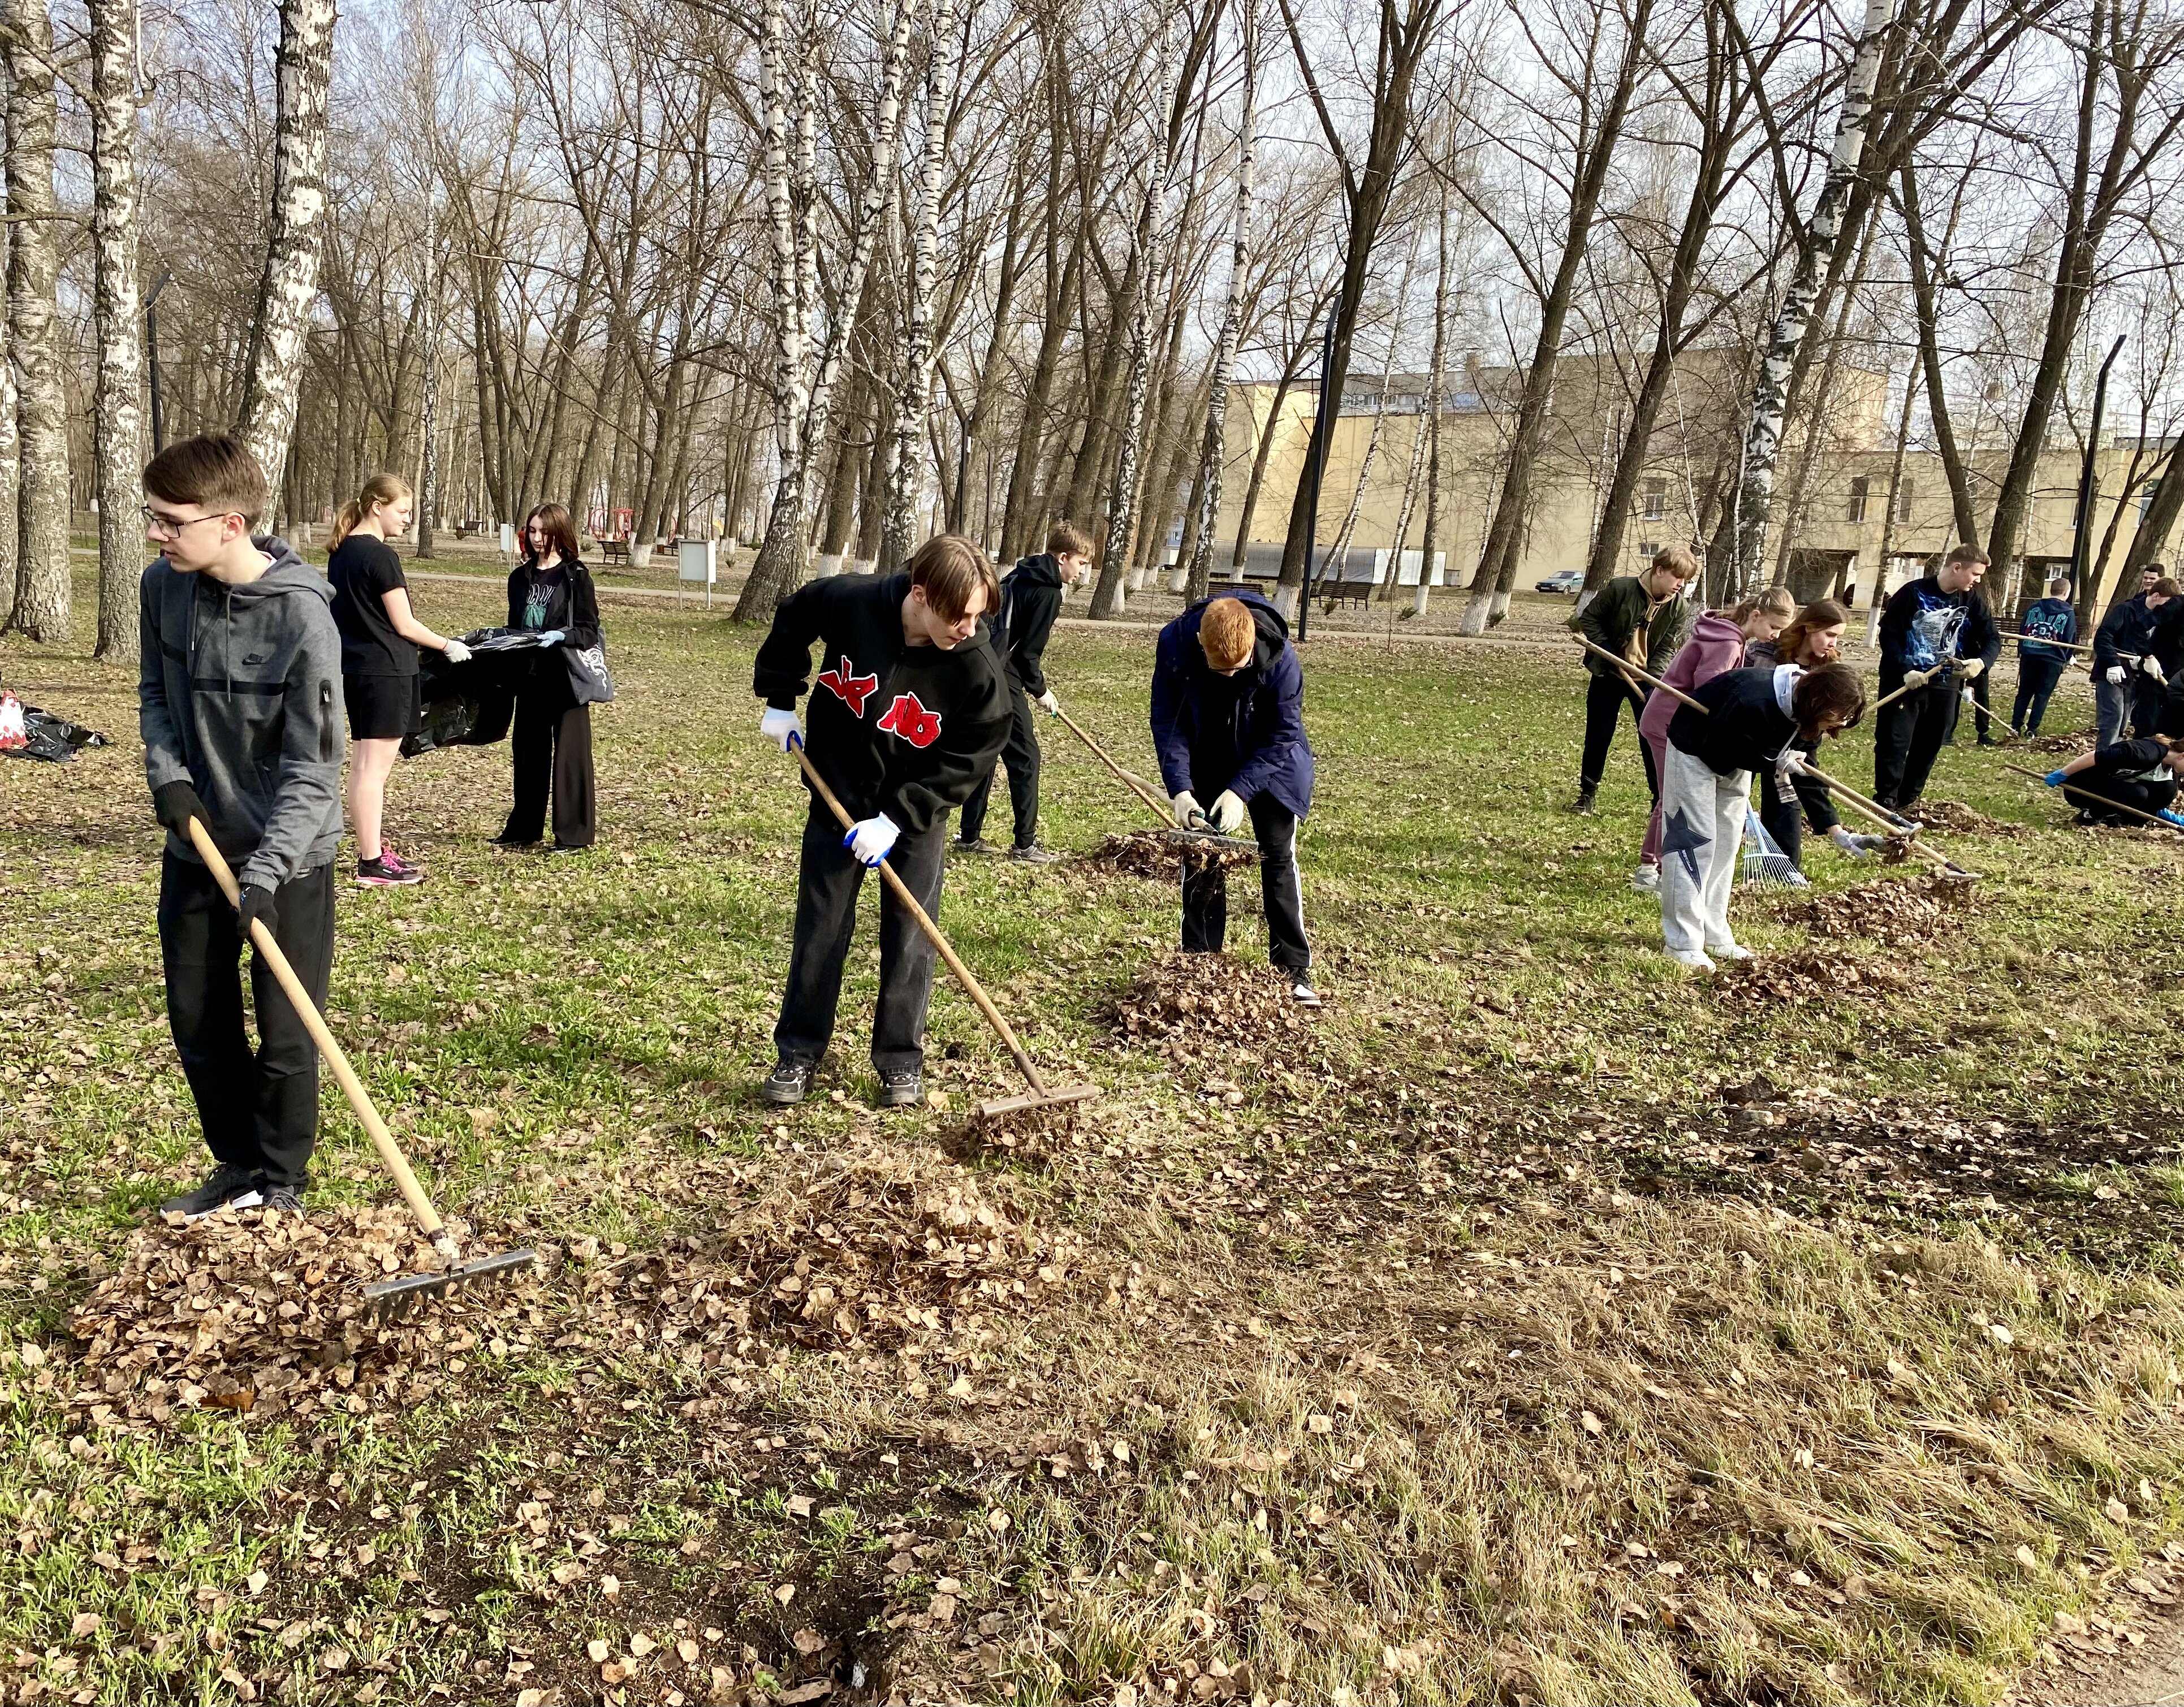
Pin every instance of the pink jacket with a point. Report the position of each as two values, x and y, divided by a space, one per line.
1716 644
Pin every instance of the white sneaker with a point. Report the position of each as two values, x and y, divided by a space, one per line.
1696 961
1304 995
1646 880
1729 951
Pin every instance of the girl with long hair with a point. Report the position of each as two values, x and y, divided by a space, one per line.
550 593
380 636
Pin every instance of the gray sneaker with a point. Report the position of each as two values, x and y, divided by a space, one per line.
225 1189
280 1197
903 1088
1033 855
972 844
789 1082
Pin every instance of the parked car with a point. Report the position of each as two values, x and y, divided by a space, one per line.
1569 580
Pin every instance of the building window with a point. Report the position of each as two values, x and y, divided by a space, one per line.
1648 549
1859 486
1903 502
1654 501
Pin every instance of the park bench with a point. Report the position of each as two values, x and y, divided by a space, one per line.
614 550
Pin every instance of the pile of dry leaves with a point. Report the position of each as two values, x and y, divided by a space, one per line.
1151 854
1206 999
265 1312
1808 975
1892 909
1959 818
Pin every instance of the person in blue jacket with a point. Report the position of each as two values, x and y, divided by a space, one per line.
1228 721
2039 663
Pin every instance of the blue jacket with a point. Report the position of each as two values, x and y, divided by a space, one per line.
2047 619
1243 733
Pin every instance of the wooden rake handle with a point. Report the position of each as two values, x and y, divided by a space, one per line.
360 1099
2102 800
892 879
1878 814
1135 785
1636 674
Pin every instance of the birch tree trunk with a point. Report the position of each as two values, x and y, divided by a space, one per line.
119 434
905 446
1762 435
428 455
1215 452
42 601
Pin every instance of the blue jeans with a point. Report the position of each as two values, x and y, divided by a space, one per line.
2111 706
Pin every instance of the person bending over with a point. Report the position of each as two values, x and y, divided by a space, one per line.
1644 617
238 694
1786 807
910 708
1228 722
1936 634
2141 774
1752 720
1031 598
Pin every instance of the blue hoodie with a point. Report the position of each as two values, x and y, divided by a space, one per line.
1241 733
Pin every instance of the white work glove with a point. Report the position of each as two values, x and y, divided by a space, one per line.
553 636
1189 813
1972 668
1789 767
1047 703
2152 666
1855 846
1228 813
455 651
869 840
785 729
1917 678
2116 675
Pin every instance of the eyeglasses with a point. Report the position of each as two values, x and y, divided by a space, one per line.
158 527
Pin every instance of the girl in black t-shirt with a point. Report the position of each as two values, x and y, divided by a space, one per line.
380 637
550 593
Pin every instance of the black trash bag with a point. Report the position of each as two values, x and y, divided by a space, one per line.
471 703
26 732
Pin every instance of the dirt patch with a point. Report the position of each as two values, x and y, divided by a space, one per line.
1807 975
1150 853
1960 820
1207 999
2131 1650
1892 909
264 1313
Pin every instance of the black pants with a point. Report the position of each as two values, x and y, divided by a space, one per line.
2143 796
550 743
1606 698
1982 707
261 1112
827 880
1205 893
2036 678
2147 698
1907 738
1021 755
1782 816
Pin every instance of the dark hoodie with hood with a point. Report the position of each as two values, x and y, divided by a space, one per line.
1031 598
1241 733
239 692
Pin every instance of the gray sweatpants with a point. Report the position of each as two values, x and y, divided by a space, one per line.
1702 828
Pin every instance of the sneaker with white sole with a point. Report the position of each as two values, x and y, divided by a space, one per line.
1646 880
1695 960
225 1189
1035 855
1730 951
388 871
1304 995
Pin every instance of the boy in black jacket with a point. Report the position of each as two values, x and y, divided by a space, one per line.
238 690
1031 598
910 707
1936 634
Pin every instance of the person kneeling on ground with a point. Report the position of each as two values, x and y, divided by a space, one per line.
2142 774
1228 721
1031 598
1752 720
1643 618
911 707
239 701
1721 640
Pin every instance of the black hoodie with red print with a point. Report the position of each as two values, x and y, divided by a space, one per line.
895 728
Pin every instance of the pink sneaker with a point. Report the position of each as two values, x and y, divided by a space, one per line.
386 871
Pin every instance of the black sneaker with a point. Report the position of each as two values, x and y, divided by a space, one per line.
506 840
972 844
903 1088
1583 804
569 848
225 1188
388 871
789 1082
1033 855
280 1197
1303 994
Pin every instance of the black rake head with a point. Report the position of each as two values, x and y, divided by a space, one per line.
389 1300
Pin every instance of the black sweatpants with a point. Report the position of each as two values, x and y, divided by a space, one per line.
550 743
1907 739
1019 753
2036 677
259 1111
1982 707
827 880
1205 893
2147 698
1606 698
2140 796
1782 816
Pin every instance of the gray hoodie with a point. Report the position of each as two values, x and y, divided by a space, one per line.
239 695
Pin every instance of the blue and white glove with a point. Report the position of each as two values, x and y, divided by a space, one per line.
785 729
868 841
553 636
2055 779
2173 818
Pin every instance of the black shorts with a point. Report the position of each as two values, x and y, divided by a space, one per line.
381 707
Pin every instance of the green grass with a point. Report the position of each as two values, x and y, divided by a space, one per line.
1490 1194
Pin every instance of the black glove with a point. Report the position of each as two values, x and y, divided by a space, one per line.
256 902
175 804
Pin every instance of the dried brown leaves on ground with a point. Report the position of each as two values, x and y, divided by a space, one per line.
1893 909
1808 975
1961 819
1207 999
265 1312
1151 854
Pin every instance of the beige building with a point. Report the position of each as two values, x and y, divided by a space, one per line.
1833 493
